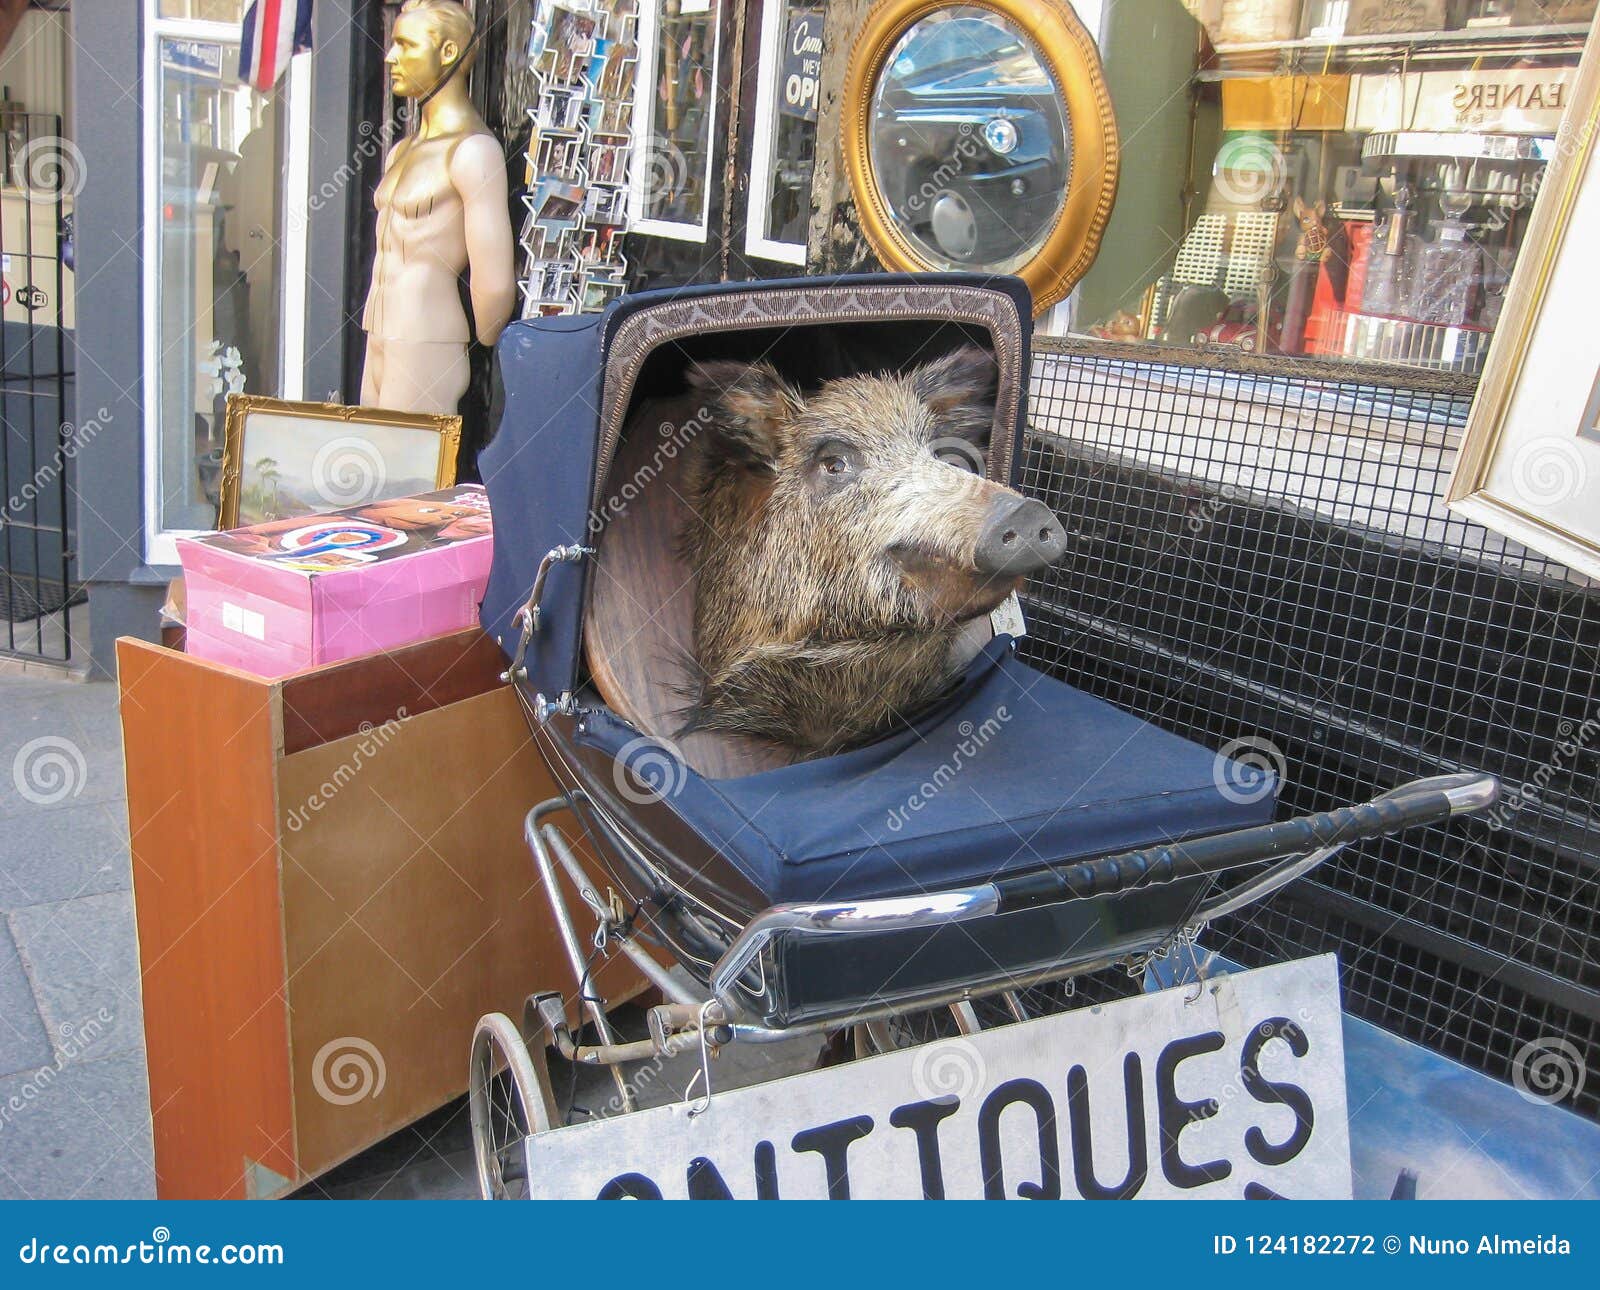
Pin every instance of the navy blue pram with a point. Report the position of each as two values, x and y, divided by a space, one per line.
1018 832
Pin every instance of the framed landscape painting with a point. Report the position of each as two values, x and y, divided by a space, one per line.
283 459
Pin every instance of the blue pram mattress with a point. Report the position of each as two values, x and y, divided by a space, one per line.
1011 771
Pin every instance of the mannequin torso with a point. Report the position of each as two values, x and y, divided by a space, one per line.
442 212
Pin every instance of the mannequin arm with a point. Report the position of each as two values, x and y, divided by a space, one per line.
478 172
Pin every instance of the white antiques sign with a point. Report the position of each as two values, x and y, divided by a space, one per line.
1239 1092
1516 100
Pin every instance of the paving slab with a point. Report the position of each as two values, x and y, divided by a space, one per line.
82 960
51 856
24 1046
80 1129
49 763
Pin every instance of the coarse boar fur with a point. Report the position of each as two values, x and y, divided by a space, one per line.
839 540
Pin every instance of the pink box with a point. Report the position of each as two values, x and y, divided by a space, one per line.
277 597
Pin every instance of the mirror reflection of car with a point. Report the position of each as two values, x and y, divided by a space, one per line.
1237 327
971 151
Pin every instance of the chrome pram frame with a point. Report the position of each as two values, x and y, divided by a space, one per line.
510 1090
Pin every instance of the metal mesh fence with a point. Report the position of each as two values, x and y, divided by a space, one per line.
1265 564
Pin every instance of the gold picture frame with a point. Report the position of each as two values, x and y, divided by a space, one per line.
361 455
1074 65
1529 464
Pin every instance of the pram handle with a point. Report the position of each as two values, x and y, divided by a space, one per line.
1310 839
1424 801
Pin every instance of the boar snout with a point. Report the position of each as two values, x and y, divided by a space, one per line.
1019 536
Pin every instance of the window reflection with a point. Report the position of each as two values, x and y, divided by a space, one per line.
1361 175
218 212
682 112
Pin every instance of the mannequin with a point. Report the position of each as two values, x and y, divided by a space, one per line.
441 212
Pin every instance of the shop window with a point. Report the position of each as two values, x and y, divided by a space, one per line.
785 147
205 10
220 255
677 104
1360 173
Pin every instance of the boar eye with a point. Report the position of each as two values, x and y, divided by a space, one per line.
837 460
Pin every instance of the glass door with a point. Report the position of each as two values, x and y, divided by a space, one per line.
224 261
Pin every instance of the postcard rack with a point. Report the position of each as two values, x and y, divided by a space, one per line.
582 54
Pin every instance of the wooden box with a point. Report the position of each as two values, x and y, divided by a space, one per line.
331 887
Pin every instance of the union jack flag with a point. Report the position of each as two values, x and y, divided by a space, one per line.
274 31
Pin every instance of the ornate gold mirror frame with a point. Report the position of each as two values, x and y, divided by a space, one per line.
1073 62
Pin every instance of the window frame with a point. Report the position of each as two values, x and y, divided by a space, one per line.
648 35
160 543
757 212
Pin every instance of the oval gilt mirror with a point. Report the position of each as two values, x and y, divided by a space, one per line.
980 137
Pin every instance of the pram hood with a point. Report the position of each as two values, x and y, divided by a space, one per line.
566 384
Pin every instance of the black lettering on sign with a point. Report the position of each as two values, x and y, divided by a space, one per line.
1273 1093
705 1183
1090 1187
1255 1191
1174 1115
923 1119
629 1187
832 1143
766 1172
1030 1093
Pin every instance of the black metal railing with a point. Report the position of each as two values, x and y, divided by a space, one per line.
38 580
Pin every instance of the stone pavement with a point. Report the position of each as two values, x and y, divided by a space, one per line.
74 1106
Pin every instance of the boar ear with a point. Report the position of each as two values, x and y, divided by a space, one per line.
959 387
750 404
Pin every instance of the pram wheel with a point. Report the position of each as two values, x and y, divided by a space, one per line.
508 1101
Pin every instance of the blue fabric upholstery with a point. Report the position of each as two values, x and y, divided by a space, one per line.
1012 771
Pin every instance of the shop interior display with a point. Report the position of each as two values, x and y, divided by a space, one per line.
1419 129
583 55
442 207
962 125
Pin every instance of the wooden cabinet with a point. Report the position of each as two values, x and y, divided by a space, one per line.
331 887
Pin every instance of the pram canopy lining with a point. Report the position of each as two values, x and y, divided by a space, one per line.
563 381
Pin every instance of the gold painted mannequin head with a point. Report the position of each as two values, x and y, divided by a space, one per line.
430 37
